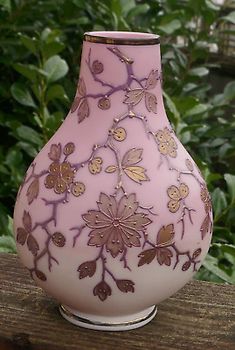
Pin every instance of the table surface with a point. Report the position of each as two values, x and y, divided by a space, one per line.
200 316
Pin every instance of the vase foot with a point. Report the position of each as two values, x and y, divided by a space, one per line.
103 323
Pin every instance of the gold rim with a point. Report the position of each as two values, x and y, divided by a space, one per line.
100 38
77 318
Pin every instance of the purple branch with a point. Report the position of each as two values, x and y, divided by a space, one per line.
79 231
94 75
124 259
112 89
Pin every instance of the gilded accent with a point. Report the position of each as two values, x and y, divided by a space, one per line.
99 39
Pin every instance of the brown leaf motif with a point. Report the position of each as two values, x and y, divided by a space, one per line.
87 269
23 232
189 164
21 235
83 111
134 172
186 266
133 156
133 97
152 80
147 256
196 253
41 275
27 221
206 199
205 226
165 235
33 190
125 286
151 102
32 245
80 102
102 290
76 103
81 89
164 256
116 224
111 169
55 152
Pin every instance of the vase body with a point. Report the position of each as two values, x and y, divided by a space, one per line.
113 215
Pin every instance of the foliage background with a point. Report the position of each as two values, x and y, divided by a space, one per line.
40 47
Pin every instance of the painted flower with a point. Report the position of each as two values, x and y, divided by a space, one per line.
166 143
116 224
205 197
102 290
176 194
60 176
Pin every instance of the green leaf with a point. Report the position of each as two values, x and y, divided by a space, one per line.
230 17
22 95
210 4
28 148
170 27
199 72
211 264
56 68
7 244
6 4
29 71
50 49
30 135
219 202
172 107
29 43
230 180
198 109
141 9
56 91
229 91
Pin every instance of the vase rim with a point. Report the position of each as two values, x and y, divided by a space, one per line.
122 38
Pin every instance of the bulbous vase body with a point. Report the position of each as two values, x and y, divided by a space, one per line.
113 215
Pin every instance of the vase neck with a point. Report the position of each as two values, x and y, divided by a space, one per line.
128 75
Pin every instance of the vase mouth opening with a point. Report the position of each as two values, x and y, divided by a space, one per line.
122 38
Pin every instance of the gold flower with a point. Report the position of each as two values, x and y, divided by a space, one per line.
116 224
166 143
60 177
176 194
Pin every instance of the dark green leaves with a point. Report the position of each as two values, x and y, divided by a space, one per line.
22 95
56 68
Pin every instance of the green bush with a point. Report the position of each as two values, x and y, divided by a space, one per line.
40 45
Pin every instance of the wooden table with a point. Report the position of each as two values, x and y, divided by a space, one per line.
199 317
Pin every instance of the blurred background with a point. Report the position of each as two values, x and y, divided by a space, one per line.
40 47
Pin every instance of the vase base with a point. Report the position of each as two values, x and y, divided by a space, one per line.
103 323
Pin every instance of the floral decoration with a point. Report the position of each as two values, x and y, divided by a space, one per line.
119 222
166 143
116 225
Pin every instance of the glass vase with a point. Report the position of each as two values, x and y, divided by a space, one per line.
113 215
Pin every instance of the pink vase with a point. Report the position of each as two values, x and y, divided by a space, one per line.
113 215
